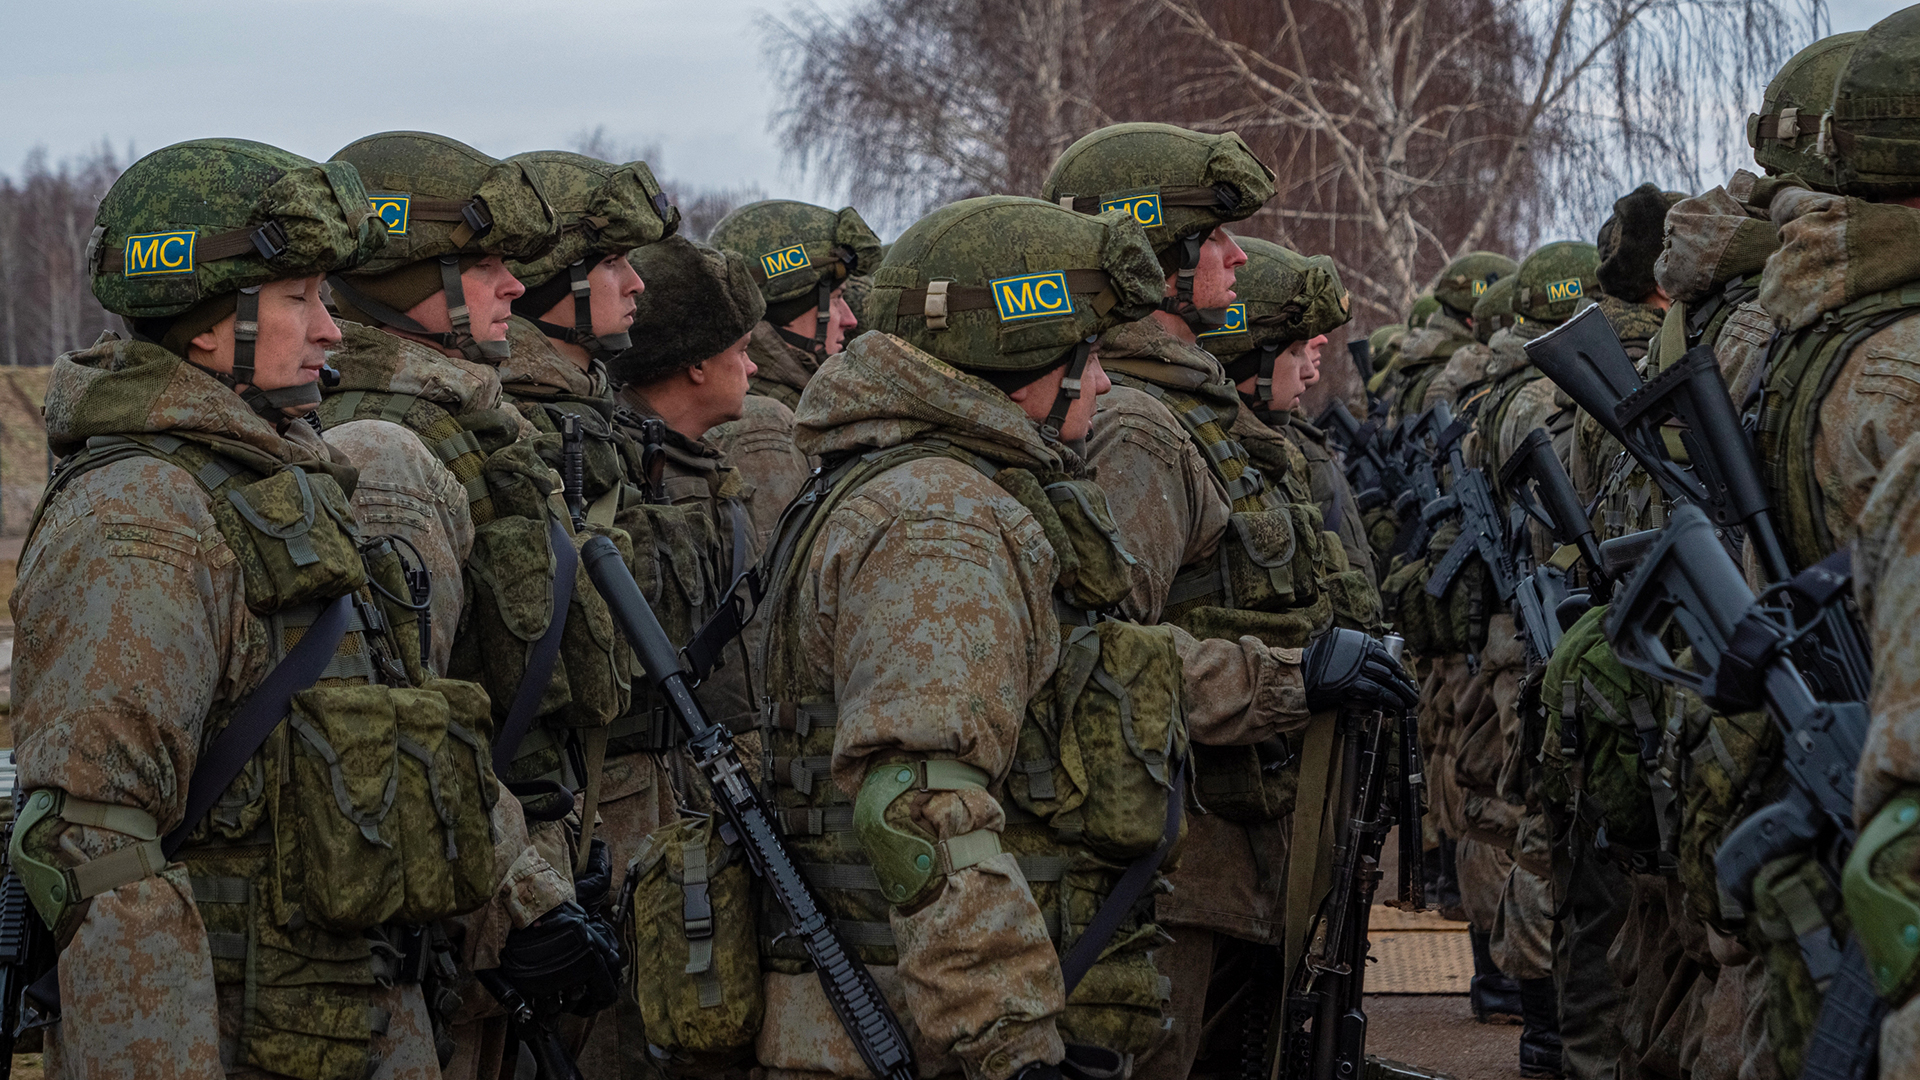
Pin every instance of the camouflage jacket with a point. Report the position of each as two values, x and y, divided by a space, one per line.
1329 489
784 370
1423 356
772 471
134 630
1886 581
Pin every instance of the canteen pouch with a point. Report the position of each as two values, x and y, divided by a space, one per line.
294 537
1097 762
442 822
696 959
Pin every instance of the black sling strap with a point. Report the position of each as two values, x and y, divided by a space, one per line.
546 651
1133 884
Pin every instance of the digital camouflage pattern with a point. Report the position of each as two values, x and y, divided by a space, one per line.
1875 137
764 230
215 186
760 445
1464 280
1123 162
1556 281
975 242
1785 133
601 209
1424 354
426 166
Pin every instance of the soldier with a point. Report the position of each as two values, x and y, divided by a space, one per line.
1492 313
193 533
945 438
804 257
1428 347
1170 449
425 324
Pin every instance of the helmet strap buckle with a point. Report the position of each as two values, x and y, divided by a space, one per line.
1069 392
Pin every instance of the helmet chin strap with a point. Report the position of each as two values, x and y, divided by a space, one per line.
822 315
598 346
1180 303
1069 391
460 338
270 405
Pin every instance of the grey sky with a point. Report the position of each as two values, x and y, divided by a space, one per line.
687 76
311 76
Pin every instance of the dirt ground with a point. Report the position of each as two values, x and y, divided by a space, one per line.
1438 1034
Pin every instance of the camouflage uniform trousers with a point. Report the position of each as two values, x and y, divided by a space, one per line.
1592 895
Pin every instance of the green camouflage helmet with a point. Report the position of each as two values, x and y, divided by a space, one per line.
1785 133
1872 131
1424 305
604 210
444 201
1556 281
1466 277
1008 284
188 234
1493 312
1384 344
800 254
1283 297
1179 185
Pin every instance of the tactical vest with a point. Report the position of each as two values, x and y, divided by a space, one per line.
509 574
1095 762
1801 368
366 816
1266 579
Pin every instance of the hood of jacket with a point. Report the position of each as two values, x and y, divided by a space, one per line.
778 361
1833 251
536 367
371 359
881 392
1711 239
124 387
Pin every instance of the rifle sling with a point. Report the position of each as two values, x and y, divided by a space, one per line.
703 650
1309 823
546 651
1133 884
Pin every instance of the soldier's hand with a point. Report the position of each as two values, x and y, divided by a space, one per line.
564 956
1083 1062
592 886
1348 669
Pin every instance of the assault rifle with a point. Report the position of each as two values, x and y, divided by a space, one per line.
26 952
1539 488
1377 479
573 473
1484 530
538 1032
1584 358
1742 645
850 989
1416 448
1323 1030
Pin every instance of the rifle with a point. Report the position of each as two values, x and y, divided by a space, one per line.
26 951
850 989
1376 478
1362 352
1484 531
573 469
1540 489
1688 581
1584 357
536 1031
1323 1032
1419 464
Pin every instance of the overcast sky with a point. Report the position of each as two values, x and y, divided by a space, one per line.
687 76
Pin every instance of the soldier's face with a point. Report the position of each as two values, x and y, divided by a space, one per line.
1036 398
490 290
722 380
616 287
295 334
1213 278
1289 377
1308 352
839 320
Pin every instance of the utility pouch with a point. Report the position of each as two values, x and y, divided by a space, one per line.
673 561
1246 785
1108 737
1260 552
294 537
696 960
441 826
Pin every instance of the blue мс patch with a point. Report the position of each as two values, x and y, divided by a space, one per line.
1145 208
391 209
1236 321
1031 296
153 254
779 262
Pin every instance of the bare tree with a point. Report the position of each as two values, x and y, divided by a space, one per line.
46 216
1403 131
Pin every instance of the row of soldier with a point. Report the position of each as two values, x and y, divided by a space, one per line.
332 762
1645 802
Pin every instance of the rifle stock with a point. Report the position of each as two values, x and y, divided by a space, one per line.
868 1019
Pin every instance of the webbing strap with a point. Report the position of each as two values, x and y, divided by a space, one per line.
1309 819
545 652
258 715
1133 885
703 650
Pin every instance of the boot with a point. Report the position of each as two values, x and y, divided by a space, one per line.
1540 1035
1495 997
1446 891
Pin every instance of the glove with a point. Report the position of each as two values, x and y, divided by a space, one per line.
1348 669
1083 1062
565 957
592 886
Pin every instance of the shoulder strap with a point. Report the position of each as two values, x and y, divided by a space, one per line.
1208 429
546 651
258 715
451 443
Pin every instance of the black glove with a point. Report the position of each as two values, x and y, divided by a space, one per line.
1348 669
592 886
1083 1062
564 958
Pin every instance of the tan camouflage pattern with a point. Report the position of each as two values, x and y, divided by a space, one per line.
1466 367
1886 579
773 472
133 627
1423 356
925 611
1329 490
784 370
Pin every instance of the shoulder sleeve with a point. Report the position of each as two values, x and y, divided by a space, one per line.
1870 412
1886 578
